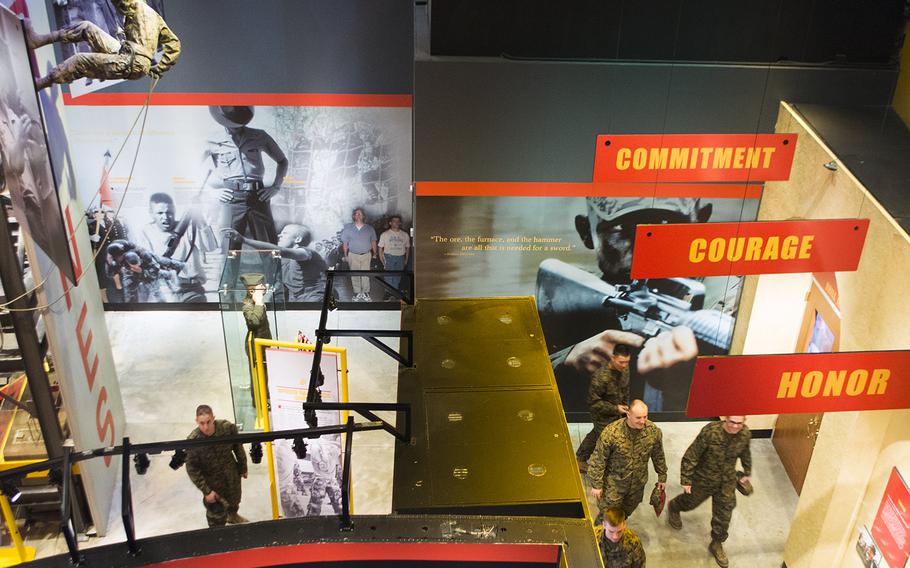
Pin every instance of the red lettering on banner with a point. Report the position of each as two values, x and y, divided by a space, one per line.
84 346
66 291
77 262
108 422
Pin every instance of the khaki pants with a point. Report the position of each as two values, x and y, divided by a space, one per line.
361 284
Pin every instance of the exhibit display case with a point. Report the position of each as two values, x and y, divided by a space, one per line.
248 312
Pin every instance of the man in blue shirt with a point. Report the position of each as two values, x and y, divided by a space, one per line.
358 242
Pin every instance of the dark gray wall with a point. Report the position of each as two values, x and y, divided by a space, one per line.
289 46
497 120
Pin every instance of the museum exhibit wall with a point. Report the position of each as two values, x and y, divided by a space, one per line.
534 123
855 451
38 168
329 82
774 328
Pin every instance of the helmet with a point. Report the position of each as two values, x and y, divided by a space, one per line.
611 208
132 258
118 247
232 116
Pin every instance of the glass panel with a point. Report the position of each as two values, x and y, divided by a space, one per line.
239 267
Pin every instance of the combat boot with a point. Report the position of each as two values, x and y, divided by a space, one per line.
35 40
236 519
717 549
673 518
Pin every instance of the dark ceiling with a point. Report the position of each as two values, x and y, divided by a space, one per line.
844 32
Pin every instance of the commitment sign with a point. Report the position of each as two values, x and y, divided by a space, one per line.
693 157
759 247
791 384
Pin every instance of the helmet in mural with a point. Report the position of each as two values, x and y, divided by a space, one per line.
612 208
232 116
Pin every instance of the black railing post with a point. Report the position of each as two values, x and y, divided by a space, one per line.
66 525
346 523
315 372
126 501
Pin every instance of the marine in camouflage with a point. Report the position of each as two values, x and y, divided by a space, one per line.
608 389
144 32
218 468
709 466
619 464
627 553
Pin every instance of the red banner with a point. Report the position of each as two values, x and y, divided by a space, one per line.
799 383
693 157
891 529
760 247
585 189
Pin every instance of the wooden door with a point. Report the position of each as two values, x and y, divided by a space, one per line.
794 434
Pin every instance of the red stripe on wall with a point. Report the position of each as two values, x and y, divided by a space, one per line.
559 189
353 551
259 99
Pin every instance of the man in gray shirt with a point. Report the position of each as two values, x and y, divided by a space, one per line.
358 242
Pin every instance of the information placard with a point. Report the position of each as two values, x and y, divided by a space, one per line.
312 485
891 528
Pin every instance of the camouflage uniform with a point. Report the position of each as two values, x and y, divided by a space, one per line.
609 388
709 466
217 468
627 553
619 464
144 30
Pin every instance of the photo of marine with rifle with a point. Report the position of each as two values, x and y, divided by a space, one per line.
669 321
574 255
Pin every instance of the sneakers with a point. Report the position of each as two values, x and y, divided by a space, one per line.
236 519
717 549
673 519
361 297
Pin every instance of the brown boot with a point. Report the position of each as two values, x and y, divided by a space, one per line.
717 549
236 519
35 40
673 518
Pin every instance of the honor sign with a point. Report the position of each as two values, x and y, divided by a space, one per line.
787 384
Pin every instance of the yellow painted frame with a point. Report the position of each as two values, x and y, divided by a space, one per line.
11 464
262 416
19 553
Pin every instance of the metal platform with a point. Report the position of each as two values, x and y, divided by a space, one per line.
490 436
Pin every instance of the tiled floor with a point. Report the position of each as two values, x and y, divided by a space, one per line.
163 380
761 522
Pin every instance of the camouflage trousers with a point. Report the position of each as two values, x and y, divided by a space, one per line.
106 61
318 496
723 501
626 496
229 502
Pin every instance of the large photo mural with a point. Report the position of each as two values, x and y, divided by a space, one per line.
212 179
574 255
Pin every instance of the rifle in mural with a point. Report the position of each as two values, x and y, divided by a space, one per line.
575 304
